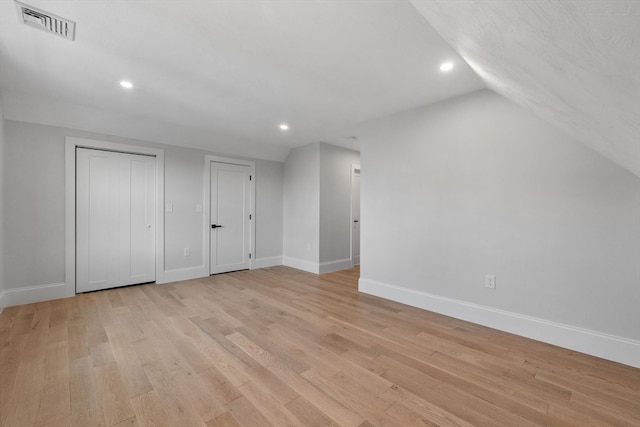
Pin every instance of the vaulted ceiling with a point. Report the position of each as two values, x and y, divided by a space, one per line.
574 63
223 75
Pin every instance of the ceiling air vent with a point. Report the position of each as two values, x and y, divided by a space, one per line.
38 18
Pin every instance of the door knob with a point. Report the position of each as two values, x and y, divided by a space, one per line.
216 226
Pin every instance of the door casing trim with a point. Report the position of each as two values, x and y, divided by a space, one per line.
206 240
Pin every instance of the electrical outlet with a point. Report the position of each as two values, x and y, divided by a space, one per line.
490 281
187 252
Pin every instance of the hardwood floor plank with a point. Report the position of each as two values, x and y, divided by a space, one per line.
22 403
102 354
268 405
279 391
626 389
224 420
582 416
131 422
322 360
371 406
279 347
246 414
430 412
404 416
323 401
149 410
229 360
133 376
606 402
55 403
89 315
221 346
200 395
86 408
77 341
10 357
183 345
112 393
308 414
452 399
486 379
176 404
274 346
222 387
20 324
130 324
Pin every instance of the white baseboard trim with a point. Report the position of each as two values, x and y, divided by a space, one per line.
2 302
610 347
301 264
187 273
266 262
330 266
31 294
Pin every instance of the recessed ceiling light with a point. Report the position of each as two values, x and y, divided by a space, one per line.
126 84
447 66
284 126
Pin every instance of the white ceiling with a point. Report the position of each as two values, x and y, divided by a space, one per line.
223 75
575 63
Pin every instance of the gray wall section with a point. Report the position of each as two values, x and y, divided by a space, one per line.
34 203
269 201
302 203
478 185
335 202
183 188
34 206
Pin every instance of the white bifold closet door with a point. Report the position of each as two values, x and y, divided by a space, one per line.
115 219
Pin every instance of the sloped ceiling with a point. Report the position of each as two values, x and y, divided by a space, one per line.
222 75
574 63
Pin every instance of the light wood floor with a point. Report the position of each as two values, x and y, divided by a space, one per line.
279 347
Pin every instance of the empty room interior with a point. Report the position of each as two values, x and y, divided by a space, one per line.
319 213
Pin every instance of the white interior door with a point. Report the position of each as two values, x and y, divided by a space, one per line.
230 238
355 215
115 219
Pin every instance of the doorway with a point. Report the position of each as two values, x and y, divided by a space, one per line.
115 219
229 219
355 214
230 235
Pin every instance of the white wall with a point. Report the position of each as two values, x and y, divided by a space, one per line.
34 207
335 206
302 208
269 218
478 185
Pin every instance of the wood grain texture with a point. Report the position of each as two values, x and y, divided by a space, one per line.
280 347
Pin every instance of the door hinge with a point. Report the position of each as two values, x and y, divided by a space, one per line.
249 256
250 177
249 216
